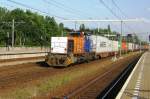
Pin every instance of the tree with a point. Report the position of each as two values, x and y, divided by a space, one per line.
61 29
82 27
35 31
109 29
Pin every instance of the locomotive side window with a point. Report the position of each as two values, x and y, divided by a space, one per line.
70 46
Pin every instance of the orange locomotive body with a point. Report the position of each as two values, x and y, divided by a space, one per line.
78 43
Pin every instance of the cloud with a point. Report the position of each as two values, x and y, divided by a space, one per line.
145 19
148 9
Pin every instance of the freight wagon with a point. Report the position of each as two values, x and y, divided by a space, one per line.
100 46
145 47
130 47
124 47
115 47
103 47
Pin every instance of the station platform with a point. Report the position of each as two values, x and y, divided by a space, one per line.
15 50
137 86
22 52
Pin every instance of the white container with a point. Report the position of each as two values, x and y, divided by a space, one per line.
115 46
59 45
130 46
137 47
133 46
110 45
100 44
93 42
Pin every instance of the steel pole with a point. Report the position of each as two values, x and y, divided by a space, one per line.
13 28
121 40
75 26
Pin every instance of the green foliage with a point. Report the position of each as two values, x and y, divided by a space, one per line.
31 29
97 31
82 27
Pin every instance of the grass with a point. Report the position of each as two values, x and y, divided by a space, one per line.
49 84
59 80
18 94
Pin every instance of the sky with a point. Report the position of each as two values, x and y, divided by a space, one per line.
92 9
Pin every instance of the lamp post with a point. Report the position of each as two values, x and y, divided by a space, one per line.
120 50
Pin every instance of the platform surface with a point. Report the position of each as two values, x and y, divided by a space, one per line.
137 86
15 50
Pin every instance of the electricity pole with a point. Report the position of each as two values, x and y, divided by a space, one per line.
13 29
120 50
75 26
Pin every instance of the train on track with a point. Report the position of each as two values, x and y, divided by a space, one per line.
79 47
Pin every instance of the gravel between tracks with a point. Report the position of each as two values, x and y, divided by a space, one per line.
29 80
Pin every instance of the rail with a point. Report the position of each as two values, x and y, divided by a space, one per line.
111 86
115 84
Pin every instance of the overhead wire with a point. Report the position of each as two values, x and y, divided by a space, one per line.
123 14
106 6
70 8
27 6
60 7
112 12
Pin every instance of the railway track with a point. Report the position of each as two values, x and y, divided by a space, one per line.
112 90
17 76
96 88
22 75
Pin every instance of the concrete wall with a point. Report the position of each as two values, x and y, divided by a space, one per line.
22 52
5 57
4 50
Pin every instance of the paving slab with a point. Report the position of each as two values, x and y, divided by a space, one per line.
137 86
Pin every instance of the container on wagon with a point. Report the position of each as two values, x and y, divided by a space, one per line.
146 47
136 46
109 46
93 39
115 47
124 45
87 44
100 44
131 47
